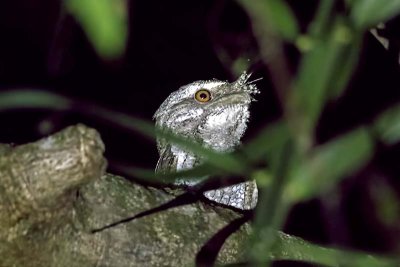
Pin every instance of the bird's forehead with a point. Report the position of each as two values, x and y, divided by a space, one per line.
208 84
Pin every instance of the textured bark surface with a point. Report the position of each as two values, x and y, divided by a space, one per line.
54 192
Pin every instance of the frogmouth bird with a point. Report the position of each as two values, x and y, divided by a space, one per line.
214 113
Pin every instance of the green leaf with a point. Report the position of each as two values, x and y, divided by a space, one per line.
292 248
33 99
149 175
328 164
387 126
343 73
223 161
39 99
275 13
313 80
267 143
320 24
368 13
271 209
324 72
104 22
386 203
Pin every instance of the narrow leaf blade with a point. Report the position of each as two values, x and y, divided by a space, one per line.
329 164
104 22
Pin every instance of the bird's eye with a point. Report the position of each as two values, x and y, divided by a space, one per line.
202 96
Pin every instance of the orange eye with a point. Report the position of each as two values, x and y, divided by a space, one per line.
202 96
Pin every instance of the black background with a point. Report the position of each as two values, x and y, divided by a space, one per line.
173 43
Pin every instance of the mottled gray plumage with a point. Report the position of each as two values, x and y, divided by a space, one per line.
214 113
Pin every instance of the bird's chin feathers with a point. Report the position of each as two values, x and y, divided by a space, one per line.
223 128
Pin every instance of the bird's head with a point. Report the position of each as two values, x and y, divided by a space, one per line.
212 112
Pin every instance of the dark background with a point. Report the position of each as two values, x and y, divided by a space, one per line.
173 43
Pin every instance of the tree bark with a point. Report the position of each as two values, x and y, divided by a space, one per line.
54 192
